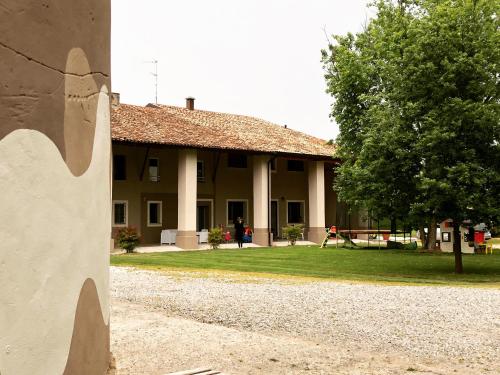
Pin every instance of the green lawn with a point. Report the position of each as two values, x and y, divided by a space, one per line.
310 261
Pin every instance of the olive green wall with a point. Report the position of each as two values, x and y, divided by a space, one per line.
232 183
330 197
287 186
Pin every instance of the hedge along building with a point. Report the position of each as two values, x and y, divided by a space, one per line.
188 169
55 205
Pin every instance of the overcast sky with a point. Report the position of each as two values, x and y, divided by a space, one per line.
259 58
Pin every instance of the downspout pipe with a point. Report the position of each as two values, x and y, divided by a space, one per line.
269 201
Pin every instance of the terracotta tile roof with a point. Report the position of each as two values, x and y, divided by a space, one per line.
178 126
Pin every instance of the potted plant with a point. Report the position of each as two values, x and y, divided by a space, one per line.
292 233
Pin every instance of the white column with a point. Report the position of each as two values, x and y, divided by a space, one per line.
260 200
186 193
316 230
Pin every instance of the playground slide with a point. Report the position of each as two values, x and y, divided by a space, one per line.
346 239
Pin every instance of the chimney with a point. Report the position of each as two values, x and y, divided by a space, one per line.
190 103
115 99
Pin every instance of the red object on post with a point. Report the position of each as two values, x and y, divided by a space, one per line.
478 237
386 236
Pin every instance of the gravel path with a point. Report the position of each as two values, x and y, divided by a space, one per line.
245 324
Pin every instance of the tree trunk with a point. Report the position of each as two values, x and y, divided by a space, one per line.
393 226
457 248
423 237
431 236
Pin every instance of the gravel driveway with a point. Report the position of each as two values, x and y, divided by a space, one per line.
164 322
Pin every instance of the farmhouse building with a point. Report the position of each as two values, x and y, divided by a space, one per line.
190 170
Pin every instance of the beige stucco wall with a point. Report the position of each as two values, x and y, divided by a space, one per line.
55 186
316 197
186 199
260 191
186 190
228 184
260 200
55 233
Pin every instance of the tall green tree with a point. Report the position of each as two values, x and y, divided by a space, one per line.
417 99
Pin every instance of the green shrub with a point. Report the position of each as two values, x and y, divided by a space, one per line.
394 245
410 246
128 239
292 233
215 237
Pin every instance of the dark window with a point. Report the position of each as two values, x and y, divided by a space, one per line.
154 169
445 237
295 212
200 170
154 213
119 167
235 209
236 161
295 165
120 213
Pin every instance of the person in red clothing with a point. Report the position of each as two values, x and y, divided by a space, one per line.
333 231
247 237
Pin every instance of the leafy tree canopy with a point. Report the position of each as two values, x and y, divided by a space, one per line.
416 96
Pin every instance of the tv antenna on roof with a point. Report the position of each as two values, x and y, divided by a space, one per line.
155 74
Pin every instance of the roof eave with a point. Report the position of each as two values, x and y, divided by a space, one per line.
299 156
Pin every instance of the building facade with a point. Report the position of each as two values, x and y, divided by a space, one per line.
190 187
